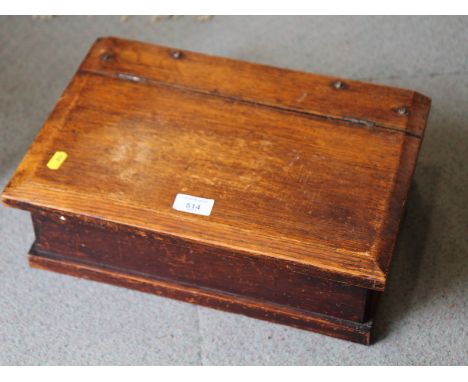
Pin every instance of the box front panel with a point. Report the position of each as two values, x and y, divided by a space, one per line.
173 259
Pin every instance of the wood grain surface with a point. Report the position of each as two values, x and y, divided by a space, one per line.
301 170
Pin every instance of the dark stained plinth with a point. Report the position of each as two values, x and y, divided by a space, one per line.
343 329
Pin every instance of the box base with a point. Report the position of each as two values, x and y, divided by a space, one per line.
343 329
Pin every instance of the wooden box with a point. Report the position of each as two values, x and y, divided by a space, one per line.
243 187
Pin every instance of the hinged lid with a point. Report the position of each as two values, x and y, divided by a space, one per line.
310 169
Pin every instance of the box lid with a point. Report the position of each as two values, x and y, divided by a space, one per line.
307 169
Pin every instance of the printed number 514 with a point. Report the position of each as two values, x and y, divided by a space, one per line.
192 206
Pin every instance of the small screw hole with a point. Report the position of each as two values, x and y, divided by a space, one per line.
402 110
106 56
177 55
339 85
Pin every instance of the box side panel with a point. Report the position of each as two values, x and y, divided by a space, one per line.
179 261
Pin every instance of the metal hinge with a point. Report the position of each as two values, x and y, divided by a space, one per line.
358 121
130 77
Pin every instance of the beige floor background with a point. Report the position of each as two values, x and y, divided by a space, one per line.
47 318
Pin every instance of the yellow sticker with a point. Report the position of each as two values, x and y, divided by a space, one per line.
57 159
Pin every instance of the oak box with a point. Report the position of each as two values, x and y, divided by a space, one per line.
263 191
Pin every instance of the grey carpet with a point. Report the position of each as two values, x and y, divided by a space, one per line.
46 318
